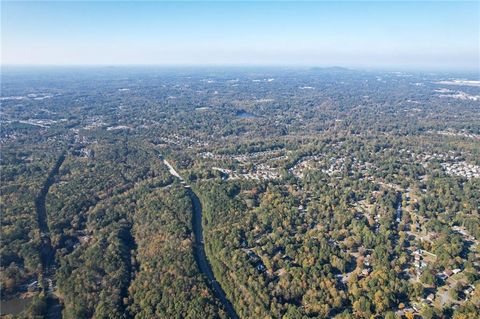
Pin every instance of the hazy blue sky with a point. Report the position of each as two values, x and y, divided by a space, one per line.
368 34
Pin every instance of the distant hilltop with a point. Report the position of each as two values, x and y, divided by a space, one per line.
331 69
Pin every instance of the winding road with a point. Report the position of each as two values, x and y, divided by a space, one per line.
47 253
199 247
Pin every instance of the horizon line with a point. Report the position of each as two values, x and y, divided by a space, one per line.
248 65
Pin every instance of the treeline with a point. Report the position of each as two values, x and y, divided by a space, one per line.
168 283
138 261
82 182
23 173
275 260
123 236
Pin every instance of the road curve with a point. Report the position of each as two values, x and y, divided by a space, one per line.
201 258
47 251
199 249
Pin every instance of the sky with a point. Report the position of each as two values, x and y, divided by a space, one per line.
380 34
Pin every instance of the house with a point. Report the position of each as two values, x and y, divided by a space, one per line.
448 273
32 286
365 272
85 239
430 298
415 307
469 290
261 268
251 254
442 276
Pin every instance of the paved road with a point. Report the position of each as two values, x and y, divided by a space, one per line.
54 307
199 249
